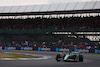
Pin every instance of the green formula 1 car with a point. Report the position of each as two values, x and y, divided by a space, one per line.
71 56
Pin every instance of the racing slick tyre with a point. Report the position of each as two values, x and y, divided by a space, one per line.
58 57
80 58
75 58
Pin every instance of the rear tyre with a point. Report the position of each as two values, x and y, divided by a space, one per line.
80 58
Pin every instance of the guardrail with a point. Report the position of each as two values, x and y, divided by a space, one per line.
51 49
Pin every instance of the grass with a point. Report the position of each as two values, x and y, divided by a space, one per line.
12 55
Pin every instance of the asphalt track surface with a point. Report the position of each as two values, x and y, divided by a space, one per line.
89 61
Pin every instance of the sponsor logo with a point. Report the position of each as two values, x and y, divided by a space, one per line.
11 48
64 50
27 48
0 48
45 49
99 51
83 51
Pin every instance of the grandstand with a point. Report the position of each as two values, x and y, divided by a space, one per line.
71 23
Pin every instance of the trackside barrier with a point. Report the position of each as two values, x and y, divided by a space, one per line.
35 48
64 50
39 48
91 50
28 48
96 51
18 48
53 49
5 48
99 51
45 49
11 48
22 48
57 49
83 51
0 48
75 50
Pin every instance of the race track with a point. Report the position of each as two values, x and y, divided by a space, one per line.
89 61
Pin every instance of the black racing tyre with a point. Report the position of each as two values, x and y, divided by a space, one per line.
57 57
58 60
80 58
75 58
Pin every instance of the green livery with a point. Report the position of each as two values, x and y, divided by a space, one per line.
71 56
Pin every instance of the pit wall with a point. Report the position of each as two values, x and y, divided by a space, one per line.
51 49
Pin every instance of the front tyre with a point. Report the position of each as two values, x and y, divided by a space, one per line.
75 58
58 57
80 58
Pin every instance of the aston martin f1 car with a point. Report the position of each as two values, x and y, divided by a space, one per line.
71 56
